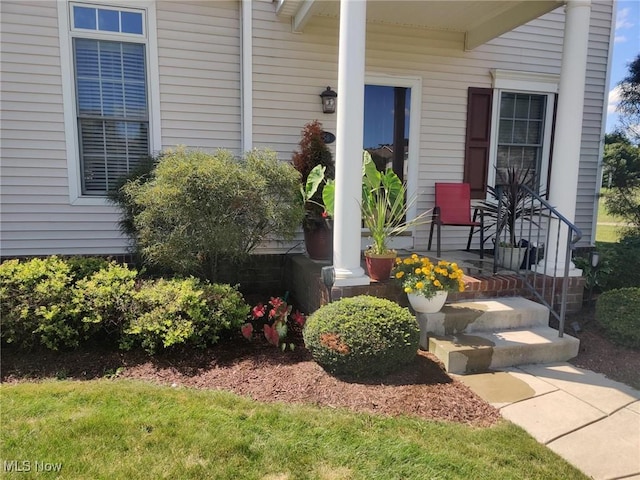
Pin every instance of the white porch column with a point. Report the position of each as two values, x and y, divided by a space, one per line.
563 188
349 139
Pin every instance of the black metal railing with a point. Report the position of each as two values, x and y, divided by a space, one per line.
543 252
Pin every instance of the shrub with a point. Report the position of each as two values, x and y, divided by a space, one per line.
36 304
106 297
81 267
618 312
199 207
621 259
173 312
362 336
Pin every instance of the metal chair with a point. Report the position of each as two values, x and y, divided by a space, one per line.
453 207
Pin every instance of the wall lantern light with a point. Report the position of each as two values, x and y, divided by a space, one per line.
328 101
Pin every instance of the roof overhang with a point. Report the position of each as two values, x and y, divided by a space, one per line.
479 20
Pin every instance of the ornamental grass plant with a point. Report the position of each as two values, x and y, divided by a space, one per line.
420 276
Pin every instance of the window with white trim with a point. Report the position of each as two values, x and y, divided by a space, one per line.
521 133
109 57
522 124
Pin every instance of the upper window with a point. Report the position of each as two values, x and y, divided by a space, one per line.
111 93
107 20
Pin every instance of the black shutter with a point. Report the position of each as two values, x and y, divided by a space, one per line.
476 156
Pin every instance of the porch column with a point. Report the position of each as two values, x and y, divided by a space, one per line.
349 139
563 188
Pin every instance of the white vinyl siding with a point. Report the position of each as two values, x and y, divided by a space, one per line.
37 217
199 63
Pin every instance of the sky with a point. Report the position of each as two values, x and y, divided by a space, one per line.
625 48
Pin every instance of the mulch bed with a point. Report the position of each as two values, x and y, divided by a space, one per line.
264 373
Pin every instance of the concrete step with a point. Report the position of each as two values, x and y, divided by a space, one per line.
484 316
483 351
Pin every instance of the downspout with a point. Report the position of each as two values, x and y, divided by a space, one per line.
246 76
603 128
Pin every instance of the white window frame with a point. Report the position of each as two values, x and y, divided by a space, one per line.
66 34
528 83
413 160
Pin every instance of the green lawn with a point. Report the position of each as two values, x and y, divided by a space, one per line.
115 429
605 230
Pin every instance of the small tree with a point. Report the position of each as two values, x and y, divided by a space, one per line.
198 207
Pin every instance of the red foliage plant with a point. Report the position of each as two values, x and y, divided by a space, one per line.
313 151
275 315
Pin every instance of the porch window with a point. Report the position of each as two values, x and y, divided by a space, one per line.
111 94
520 138
510 125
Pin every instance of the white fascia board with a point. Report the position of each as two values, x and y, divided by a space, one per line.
303 15
507 20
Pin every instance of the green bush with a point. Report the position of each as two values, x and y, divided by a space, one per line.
106 298
48 302
36 307
198 207
173 312
81 267
362 336
618 312
620 259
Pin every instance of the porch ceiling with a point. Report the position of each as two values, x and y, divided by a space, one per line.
479 20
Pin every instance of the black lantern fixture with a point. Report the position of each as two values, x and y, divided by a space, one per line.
328 101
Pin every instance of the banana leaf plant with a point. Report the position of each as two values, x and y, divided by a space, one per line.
511 204
383 206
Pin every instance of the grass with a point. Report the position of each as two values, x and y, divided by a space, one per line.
115 429
607 228
607 233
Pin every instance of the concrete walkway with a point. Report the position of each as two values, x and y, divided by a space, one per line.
591 421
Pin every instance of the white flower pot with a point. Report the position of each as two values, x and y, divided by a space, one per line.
428 305
511 257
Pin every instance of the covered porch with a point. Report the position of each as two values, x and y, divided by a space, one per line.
458 27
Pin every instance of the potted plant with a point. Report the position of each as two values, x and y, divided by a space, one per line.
427 284
512 207
384 211
316 224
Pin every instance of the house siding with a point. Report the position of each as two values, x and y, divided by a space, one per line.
199 65
199 59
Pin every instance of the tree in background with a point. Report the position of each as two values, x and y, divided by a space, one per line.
622 153
629 105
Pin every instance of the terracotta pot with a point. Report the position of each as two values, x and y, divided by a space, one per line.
319 243
421 304
379 266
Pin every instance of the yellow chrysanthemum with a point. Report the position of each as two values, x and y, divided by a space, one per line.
407 261
414 256
408 290
399 274
454 265
437 284
398 261
461 288
418 271
419 285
